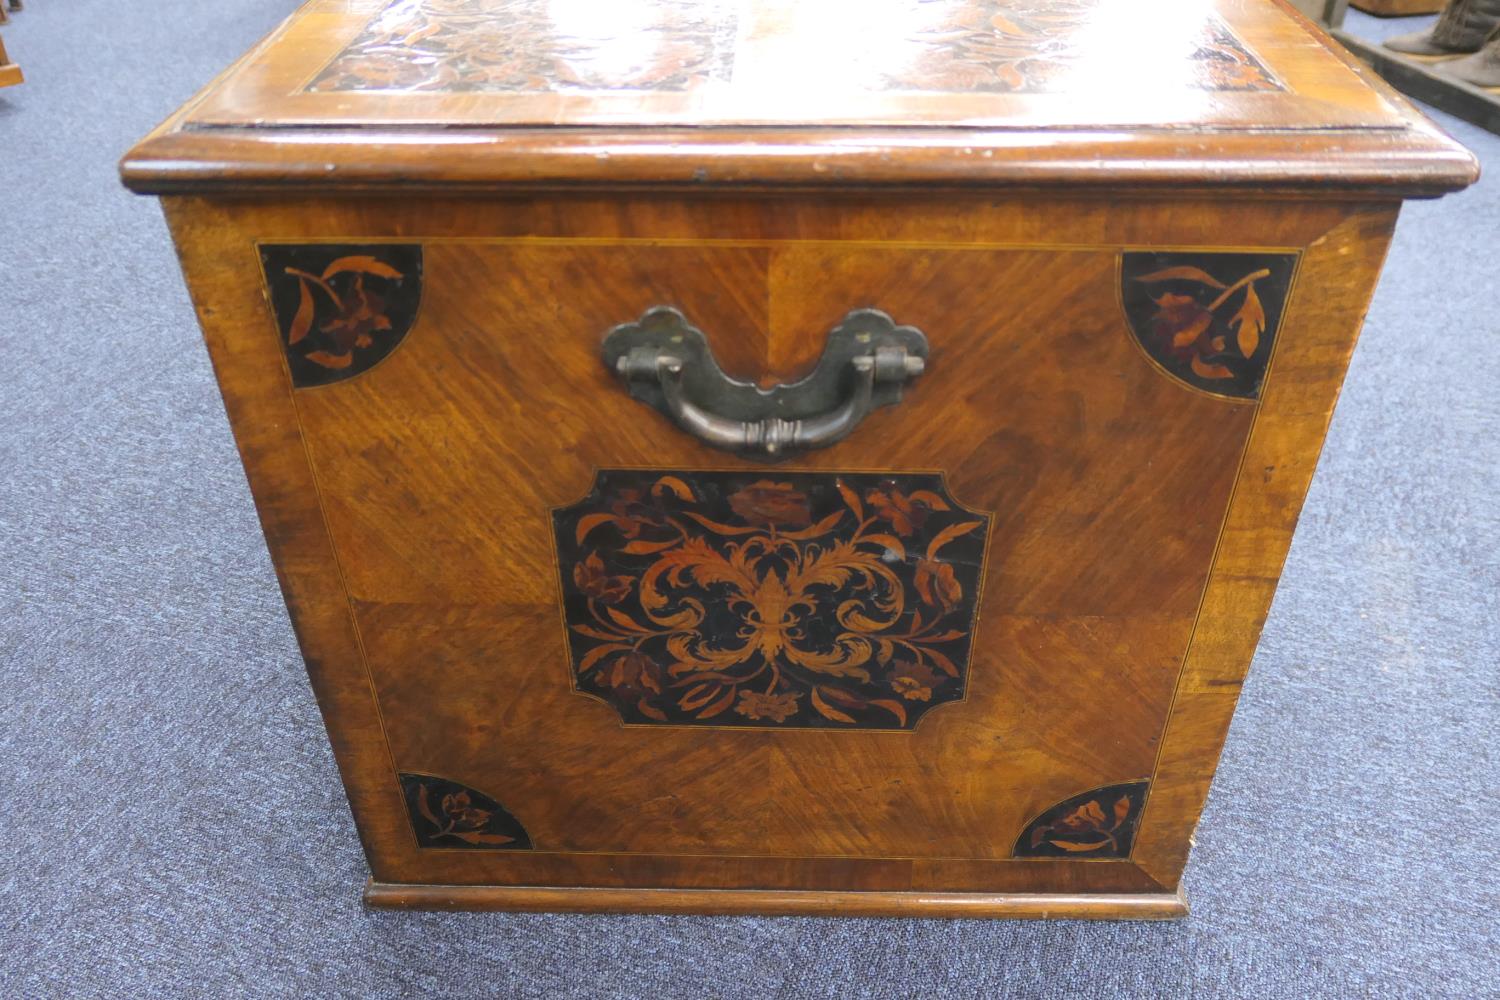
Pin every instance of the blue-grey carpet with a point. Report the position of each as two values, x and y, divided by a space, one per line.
171 824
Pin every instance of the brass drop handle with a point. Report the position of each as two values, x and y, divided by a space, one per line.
666 362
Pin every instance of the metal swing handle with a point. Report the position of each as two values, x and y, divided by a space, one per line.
667 363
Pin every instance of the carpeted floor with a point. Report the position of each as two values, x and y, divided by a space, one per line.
172 822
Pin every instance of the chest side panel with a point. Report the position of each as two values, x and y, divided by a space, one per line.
1070 403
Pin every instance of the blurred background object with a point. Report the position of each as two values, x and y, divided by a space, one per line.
10 73
1397 8
1451 61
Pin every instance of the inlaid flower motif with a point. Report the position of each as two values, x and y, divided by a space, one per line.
590 577
362 313
634 674
769 504
1087 828
913 681
357 314
459 809
1193 323
1179 322
904 515
937 586
450 815
632 513
777 707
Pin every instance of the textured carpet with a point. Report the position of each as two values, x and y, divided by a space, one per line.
172 823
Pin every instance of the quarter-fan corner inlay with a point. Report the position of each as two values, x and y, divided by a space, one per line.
341 309
780 601
446 813
1208 319
1099 823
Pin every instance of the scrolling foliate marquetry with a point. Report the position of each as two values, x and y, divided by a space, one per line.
788 601
1042 46
341 309
1208 319
522 46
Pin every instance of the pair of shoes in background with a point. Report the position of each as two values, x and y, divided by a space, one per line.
1466 38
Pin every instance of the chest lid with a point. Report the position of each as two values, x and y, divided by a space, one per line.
352 94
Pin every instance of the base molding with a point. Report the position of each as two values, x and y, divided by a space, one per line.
779 902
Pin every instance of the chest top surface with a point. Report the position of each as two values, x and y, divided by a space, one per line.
835 77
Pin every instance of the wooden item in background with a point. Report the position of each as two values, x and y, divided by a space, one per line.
10 73
1322 11
1423 79
1398 8
976 654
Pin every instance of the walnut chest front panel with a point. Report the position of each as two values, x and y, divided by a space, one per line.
980 651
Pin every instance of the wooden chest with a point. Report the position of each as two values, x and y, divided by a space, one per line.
785 457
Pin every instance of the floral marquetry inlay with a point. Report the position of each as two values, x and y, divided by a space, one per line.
928 46
1209 319
452 815
341 309
794 600
1099 823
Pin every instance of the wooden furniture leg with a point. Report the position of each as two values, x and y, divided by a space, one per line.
10 73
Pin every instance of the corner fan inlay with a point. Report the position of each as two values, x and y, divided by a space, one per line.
1207 319
1099 823
341 309
448 814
